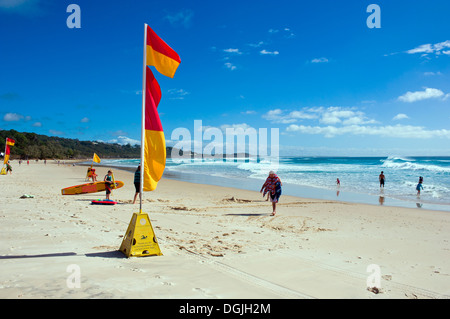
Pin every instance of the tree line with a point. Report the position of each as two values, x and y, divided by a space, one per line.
36 146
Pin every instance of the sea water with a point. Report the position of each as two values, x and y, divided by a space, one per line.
315 177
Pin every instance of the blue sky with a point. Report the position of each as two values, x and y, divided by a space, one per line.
313 69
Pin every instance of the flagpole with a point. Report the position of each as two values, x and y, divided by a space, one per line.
144 82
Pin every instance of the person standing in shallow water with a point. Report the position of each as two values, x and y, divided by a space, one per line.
272 185
382 178
419 185
418 188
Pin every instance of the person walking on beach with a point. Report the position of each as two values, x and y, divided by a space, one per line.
338 182
272 185
108 182
382 178
137 182
8 168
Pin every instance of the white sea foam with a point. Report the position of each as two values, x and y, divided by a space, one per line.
408 165
358 175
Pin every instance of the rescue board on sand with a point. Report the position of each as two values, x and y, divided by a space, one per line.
89 188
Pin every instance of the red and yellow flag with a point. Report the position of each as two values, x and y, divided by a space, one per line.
160 55
155 143
166 61
9 142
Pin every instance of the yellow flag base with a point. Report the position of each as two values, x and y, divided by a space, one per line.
3 171
140 239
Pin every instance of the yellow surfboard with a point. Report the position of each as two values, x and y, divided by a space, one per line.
89 188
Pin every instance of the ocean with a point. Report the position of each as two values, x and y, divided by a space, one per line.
315 177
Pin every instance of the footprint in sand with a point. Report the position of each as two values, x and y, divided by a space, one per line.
168 283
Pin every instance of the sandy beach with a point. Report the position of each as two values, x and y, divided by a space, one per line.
217 242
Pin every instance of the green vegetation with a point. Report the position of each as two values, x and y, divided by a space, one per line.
35 146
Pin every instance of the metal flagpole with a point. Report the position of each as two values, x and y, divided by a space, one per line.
144 85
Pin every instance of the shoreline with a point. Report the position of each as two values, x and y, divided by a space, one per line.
338 194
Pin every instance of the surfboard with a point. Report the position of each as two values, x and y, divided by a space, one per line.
103 202
88 188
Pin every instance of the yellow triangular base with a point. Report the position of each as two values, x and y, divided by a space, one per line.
140 239
3 171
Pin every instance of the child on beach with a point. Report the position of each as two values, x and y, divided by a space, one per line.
418 187
272 186
94 176
108 183
91 174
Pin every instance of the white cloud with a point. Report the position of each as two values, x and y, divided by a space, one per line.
123 140
397 131
265 52
285 32
288 33
257 45
182 18
233 51
278 116
177 94
275 116
344 116
338 121
230 66
400 116
319 60
12 117
56 132
84 120
302 115
428 93
330 115
37 124
426 49
432 73
335 115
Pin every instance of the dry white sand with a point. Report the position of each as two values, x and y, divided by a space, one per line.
217 242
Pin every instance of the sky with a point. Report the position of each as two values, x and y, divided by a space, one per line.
318 71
